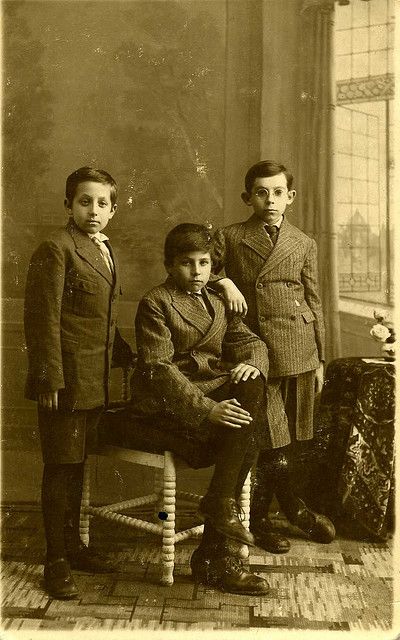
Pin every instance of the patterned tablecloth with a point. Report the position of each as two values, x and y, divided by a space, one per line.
354 442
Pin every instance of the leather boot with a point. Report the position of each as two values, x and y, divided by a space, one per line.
316 526
215 543
265 536
223 514
227 574
58 580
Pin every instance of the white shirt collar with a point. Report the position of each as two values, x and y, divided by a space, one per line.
277 223
100 236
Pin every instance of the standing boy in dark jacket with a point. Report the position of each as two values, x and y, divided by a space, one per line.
71 301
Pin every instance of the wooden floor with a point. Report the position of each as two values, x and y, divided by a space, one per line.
346 585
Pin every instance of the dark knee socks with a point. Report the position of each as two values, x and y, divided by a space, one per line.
229 463
61 498
236 448
273 477
73 511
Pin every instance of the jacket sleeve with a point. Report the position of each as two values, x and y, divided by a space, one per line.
309 277
242 345
218 254
176 395
42 315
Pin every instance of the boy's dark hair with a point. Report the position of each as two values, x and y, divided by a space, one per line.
184 238
265 169
89 174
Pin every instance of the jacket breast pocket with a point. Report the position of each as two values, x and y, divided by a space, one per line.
80 295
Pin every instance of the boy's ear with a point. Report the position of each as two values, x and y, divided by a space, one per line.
291 195
246 198
67 207
113 210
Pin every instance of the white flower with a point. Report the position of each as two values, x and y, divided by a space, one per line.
380 314
380 332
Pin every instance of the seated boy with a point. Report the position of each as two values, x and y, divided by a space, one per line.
201 375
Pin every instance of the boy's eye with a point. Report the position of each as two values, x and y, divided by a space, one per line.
84 202
103 204
204 263
278 192
261 193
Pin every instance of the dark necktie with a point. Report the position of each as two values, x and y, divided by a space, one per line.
200 300
272 231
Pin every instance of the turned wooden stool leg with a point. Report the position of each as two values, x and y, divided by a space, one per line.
244 501
168 536
85 503
158 490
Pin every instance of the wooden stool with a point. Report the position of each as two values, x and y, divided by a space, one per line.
165 488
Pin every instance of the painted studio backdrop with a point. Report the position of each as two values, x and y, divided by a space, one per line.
176 99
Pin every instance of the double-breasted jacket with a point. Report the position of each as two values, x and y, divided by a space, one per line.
280 285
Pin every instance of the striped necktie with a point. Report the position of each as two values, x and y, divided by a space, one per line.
105 254
272 231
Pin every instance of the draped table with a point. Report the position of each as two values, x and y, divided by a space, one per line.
354 443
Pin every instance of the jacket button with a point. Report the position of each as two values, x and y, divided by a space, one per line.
193 352
260 285
288 284
262 319
293 317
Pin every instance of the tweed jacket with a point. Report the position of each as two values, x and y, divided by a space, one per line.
70 312
184 353
280 285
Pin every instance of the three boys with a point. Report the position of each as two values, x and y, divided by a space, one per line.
200 372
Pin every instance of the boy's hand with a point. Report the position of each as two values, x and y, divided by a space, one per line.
243 372
319 378
229 413
234 298
49 400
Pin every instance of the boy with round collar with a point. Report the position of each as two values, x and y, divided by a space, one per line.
71 302
200 375
274 265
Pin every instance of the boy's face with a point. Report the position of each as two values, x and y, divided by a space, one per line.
269 197
91 208
191 271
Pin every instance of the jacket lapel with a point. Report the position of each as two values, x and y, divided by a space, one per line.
257 238
188 308
218 320
286 244
87 250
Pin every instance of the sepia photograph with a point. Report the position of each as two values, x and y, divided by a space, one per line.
198 318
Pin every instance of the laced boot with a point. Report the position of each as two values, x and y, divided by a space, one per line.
223 514
226 573
316 526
